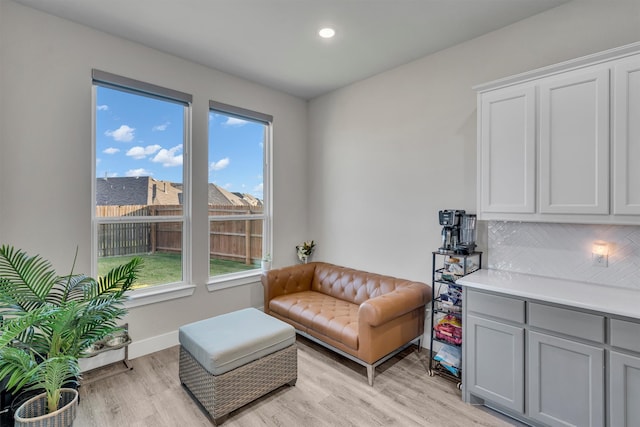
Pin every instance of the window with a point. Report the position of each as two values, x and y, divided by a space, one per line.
238 183
141 188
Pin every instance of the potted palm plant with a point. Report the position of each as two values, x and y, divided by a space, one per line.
47 322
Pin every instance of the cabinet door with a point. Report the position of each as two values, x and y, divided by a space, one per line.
507 150
574 143
626 137
565 382
494 355
624 390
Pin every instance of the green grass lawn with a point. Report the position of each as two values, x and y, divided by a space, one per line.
162 268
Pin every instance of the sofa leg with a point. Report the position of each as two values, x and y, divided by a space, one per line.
371 371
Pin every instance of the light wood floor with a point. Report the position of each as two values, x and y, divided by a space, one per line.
331 391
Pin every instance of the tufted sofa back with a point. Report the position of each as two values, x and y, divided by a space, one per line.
351 285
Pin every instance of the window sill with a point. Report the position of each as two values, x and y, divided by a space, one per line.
230 281
160 293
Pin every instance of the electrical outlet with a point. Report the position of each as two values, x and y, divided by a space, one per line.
599 260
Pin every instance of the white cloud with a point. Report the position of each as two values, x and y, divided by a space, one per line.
234 121
111 150
102 107
160 128
220 164
258 188
142 152
138 172
124 133
227 186
169 157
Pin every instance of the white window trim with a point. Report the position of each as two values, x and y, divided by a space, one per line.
217 283
162 292
226 281
159 293
185 288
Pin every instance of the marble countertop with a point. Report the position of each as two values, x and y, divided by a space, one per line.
606 299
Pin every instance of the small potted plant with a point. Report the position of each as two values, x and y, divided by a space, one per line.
47 322
305 250
265 264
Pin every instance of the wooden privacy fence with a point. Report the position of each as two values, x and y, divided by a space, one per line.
236 240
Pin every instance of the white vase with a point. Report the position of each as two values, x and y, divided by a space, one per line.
265 265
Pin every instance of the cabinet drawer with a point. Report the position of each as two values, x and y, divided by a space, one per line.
625 334
495 306
568 322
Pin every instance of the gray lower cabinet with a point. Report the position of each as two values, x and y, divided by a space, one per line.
551 365
495 359
565 381
624 390
624 374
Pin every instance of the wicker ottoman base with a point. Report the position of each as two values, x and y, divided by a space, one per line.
222 394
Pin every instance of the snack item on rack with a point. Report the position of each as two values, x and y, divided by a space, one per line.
449 329
450 358
450 305
454 294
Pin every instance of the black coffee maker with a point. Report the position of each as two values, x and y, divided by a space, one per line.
450 222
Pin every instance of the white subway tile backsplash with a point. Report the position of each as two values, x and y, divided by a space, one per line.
564 251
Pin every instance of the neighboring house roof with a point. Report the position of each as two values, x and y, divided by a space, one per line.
249 199
217 197
121 191
220 196
144 190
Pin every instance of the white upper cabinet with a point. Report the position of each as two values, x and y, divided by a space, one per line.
562 143
508 150
574 143
626 137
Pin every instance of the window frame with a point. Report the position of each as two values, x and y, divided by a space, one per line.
160 292
239 278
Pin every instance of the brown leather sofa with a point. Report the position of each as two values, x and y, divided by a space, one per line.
364 316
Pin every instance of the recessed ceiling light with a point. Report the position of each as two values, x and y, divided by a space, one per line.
327 33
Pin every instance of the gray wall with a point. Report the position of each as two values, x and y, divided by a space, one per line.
45 178
390 151
380 157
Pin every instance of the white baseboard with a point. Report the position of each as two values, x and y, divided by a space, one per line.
153 344
136 349
102 359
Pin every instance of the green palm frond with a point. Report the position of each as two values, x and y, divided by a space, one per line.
48 321
53 374
16 327
26 280
18 367
72 287
116 282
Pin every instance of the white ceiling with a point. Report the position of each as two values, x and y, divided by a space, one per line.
275 42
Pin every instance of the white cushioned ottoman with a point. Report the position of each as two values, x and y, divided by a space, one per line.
230 360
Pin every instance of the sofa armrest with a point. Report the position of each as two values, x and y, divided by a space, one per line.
402 300
286 280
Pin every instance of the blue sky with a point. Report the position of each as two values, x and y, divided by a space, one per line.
142 136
